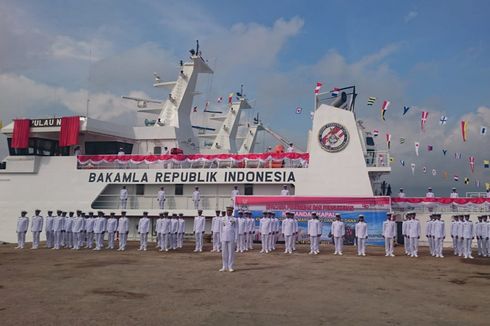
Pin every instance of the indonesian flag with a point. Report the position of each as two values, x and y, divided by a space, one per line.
425 115
335 92
318 87
375 132
417 145
384 107
388 140
464 130
472 163
220 99
230 98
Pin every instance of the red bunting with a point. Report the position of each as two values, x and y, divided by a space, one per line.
20 138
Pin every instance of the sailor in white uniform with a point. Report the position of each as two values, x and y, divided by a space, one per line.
296 233
478 235
429 235
198 229
265 231
49 230
338 233
485 236
77 229
123 230
314 232
89 229
180 231
215 226
406 241
429 193
241 229
158 230
401 194
290 148
460 235
22 225
161 198
123 198
235 192
439 232
227 233
287 229
276 230
454 193
468 236
174 230
250 230
389 232
99 230
414 235
57 229
69 230
36 228
285 191
111 227
63 229
165 236
454 234
196 197
143 230
361 235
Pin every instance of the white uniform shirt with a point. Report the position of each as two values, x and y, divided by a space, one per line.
37 223
361 230
196 195
123 194
265 225
468 231
144 225
454 228
314 227
227 228
158 225
438 229
242 225
485 233
181 225
401 195
89 224
161 195
234 193
338 229
250 224
389 228
57 223
288 227
22 224
430 194
111 224
413 228
285 192
478 228
49 223
404 227
68 224
459 229
99 224
454 195
199 224
428 228
215 224
174 225
290 149
123 225
78 223
165 226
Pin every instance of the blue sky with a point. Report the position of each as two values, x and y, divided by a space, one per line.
430 55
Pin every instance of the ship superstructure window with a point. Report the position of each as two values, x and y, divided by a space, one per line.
39 147
249 189
140 189
179 189
157 150
106 147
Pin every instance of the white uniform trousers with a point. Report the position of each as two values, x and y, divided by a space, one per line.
166 239
90 240
455 246
313 244
406 244
123 203
389 246
265 243
430 242
241 242
173 240
467 247
250 241
143 241
216 241
339 244
99 241
288 243
21 239
361 246
69 239
160 241
228 254
479 243
123 238
63 239
438 247
196 204
157 241
161 204
57 239
180 240
414 246
110 238
77 240
460 247
49 239
35 239
485 247
198 237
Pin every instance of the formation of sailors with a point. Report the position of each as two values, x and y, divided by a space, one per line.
464 231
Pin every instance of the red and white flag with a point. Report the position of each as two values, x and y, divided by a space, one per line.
417 146
230 98
425 115
375 132
318 87
472 163
384 107
388 140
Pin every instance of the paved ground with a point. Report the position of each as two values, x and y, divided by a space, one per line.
47 287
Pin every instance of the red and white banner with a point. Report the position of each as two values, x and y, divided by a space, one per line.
151 159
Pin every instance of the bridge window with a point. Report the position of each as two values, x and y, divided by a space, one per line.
106 147
179 189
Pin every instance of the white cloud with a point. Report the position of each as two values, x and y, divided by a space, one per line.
411 16
65 47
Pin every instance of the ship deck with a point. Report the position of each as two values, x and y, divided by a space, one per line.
48 287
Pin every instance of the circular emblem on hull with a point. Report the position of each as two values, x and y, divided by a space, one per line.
333 137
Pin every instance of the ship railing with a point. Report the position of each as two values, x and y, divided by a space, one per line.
112 201
377 158
440 205
195 161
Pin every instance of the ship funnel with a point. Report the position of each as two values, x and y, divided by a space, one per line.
340 100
